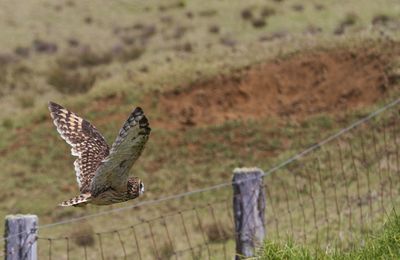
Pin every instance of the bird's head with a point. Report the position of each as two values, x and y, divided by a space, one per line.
135 187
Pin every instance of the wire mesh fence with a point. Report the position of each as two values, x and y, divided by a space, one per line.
335 195
203 231
329 197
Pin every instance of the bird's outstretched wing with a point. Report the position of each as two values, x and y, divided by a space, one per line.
113 170
86 141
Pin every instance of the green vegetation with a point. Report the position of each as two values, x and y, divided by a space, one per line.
382 245
104 58
156 45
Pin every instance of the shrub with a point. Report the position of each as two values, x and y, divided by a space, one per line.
179 32
88 20
90 58
84 57
267 11
208 13
22 51
26 100
185 47
227 41
72 42
298 7
218 232
42 46
258 22
71 82
166 251
381 19
8 123
349 20
131 53
6 59
147 32
319 7
84 236
213 29
247 14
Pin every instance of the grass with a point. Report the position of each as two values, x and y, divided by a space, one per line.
151 44
168 171
381 245
135 50
201 156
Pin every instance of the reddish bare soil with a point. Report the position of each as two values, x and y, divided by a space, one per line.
299 85
294 87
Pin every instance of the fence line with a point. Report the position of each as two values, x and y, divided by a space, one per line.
329 198
222 185
155 243
207 235
215 232
225 184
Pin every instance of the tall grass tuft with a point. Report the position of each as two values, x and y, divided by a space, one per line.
384 245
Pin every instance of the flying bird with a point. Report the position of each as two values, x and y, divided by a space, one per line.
102 172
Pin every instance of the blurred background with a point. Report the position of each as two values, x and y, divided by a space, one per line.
223 83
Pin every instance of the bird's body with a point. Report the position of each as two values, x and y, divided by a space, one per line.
102 173
107 197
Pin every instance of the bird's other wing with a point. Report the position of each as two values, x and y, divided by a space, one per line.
129 144
85 140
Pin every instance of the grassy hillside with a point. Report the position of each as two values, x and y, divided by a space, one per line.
51 50
223 84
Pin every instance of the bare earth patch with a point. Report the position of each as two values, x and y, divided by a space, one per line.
296 86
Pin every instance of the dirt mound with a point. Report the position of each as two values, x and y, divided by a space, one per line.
295 87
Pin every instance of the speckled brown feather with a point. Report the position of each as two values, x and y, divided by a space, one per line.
77 201
86 141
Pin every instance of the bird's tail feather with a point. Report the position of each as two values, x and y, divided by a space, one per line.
77 201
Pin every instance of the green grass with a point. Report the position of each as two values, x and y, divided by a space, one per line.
381 245
36 163
201 157
166 66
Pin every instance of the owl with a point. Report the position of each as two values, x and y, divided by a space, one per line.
101 172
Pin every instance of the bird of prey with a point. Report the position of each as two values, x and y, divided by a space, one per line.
102 172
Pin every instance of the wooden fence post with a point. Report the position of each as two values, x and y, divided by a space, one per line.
249 210
20 233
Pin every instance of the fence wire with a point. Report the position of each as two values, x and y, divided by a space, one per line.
332 195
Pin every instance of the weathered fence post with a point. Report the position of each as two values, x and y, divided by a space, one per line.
20 237
248 207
